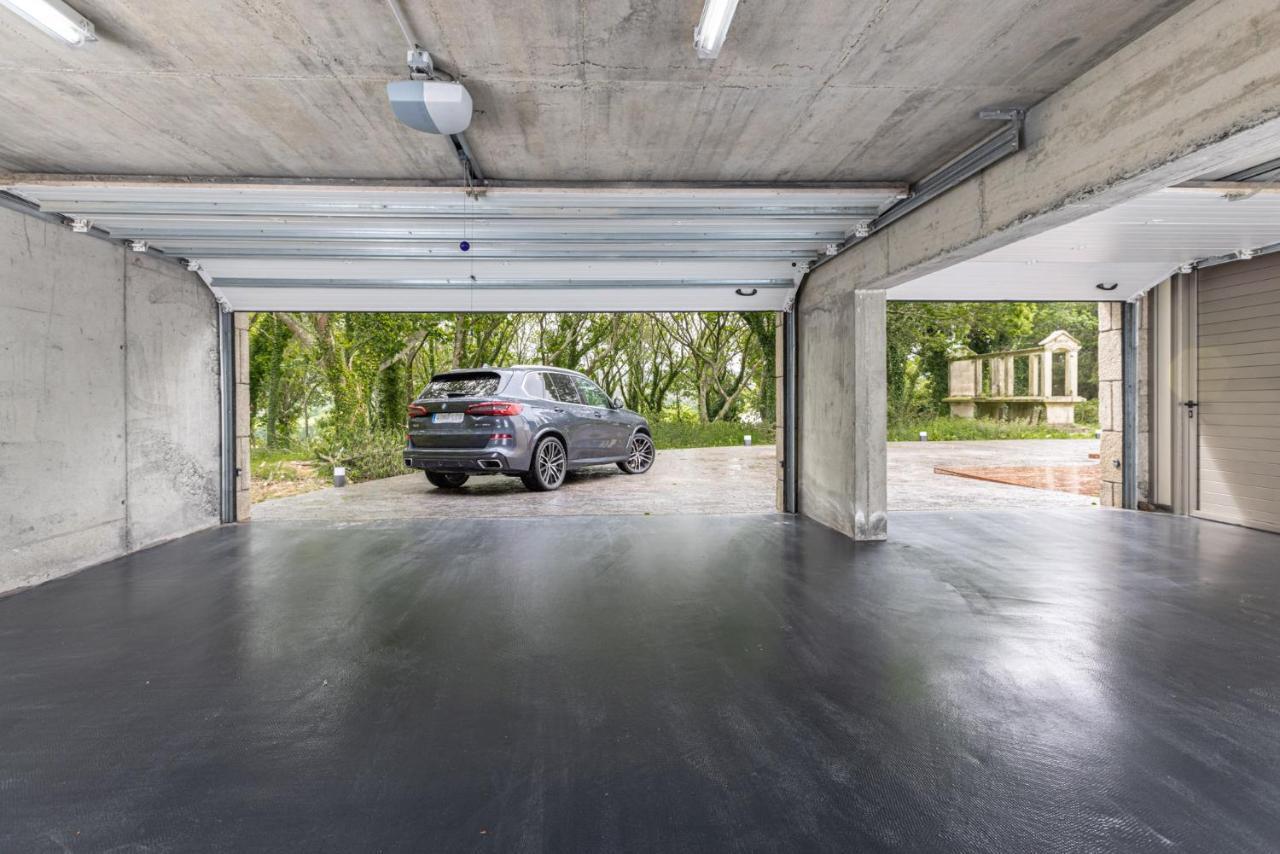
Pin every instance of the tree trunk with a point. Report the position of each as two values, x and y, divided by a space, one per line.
349 413
278 339
459 339
763 326
391 402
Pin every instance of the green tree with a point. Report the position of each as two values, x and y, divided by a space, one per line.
922 336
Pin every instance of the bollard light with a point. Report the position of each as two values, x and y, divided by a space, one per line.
924 437
746 440
339 476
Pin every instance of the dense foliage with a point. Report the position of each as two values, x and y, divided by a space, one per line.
922 335
334 387
339 383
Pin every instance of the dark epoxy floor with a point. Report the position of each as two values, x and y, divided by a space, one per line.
1048 681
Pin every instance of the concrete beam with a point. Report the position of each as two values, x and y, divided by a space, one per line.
1197 91
841 427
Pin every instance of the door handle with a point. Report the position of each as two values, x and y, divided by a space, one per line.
557 409
1191 407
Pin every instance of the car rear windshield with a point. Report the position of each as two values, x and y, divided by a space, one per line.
476 384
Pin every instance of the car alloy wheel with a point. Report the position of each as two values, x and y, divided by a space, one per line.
550 464
640 455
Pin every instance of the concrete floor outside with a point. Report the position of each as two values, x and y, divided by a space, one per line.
706 480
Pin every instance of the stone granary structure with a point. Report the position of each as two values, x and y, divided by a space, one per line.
1019 384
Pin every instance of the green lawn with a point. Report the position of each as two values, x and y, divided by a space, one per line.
978 429
277 472
267 462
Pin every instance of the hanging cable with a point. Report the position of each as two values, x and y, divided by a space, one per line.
403 22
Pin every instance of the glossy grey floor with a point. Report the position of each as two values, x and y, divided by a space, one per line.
1050 680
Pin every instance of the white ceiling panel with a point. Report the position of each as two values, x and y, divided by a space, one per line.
1134 246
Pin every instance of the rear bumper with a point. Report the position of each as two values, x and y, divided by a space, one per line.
469 461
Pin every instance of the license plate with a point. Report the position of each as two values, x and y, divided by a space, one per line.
447 418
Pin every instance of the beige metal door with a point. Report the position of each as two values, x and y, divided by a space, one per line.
1238 393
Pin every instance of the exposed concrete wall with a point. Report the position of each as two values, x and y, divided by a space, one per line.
171 361
108 402
841 422
62 401
1200 89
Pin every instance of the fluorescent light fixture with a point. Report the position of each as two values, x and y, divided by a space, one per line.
708 36
55 18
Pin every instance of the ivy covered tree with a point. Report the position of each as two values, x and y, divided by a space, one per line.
355 372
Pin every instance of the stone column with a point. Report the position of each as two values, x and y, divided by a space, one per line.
243 500
1033 376
1072 374
1110 403
1046 363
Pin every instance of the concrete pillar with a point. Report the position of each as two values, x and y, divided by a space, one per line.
842 442
1073 374
1033 376
1046 365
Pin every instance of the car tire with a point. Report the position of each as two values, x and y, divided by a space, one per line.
549 465
640 455
442 480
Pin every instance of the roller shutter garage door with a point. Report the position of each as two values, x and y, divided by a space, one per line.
1238 381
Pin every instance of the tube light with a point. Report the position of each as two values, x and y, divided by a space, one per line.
55 18
709 35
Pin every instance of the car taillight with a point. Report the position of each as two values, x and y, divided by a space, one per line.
494 407
416 411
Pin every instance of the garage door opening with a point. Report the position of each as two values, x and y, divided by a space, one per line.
994 404
334 391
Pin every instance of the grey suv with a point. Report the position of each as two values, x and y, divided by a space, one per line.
528 421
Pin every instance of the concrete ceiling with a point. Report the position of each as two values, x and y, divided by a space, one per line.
805 90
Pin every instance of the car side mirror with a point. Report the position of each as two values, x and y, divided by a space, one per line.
617 403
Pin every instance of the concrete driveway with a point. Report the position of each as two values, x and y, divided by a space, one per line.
698 480
914 485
